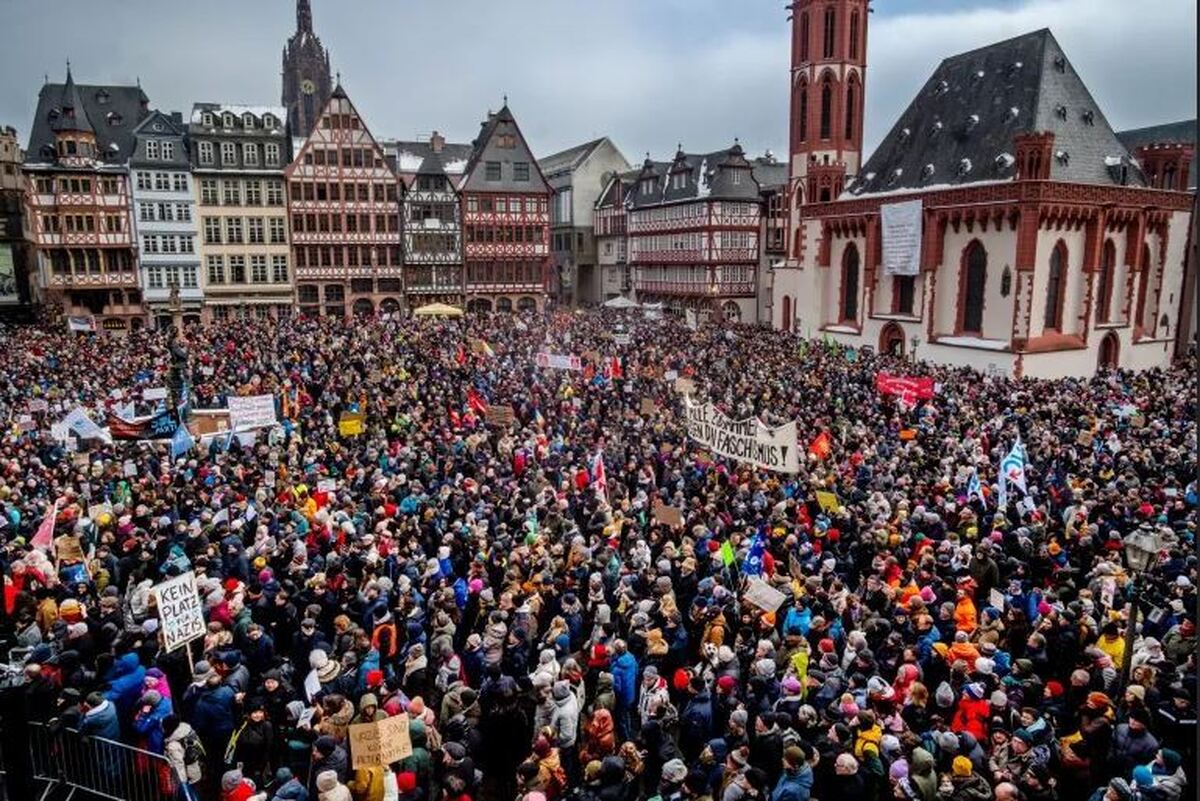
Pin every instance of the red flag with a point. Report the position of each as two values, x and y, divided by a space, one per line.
475 401
909 390
461 356
44 538
612 369
599 477
455 419
822 446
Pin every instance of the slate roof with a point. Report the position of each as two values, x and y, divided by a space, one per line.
1171 133
709 175
486 148
160 125
959 128
570 158
418 158
113 112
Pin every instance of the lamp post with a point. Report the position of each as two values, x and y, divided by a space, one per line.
1141 546
916 340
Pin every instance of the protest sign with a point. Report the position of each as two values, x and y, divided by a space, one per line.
68 549
81 425
648 406
828 501
501 414
670 375
745 440
251 411
129 469
38 405
327 485
622 339
394 741
901 234
763 595
996 599
179 612
364 746
59 432
350 424
668 515
685 386
25 423
558 361
154 393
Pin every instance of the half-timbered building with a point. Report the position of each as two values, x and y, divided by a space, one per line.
345 215
77 200
431 218
610 224
1021 235
506 220
694 226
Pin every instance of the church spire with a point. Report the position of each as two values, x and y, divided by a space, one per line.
304 16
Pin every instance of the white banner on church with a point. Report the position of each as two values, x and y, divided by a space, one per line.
745 440
901 226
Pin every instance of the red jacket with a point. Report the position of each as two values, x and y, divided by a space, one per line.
972 716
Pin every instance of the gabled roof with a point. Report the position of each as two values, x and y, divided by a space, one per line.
959 128
112 112
159 125
419 158
570 158
319 132
1171 133
708 175
486 148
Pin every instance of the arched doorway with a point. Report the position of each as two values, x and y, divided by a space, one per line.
389 306
891 340
1110 351
504 305
731 312
479 305
526 304
363 308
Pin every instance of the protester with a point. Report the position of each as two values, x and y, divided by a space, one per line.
570 598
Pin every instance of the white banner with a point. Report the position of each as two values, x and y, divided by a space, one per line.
84 323
901 228
253 411
179 611
622 339
744 440
154 393
81 425
558 361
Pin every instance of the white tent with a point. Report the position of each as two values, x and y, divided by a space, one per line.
620 302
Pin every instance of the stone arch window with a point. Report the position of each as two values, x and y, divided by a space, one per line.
854 34
972 284
804 36
1140 313
851 106
827 107
1104 286
849 300
786 322
830 32
1056 279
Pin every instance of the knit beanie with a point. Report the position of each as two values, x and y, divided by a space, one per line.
961 766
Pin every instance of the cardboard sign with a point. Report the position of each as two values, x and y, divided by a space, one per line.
154 393
763 595
685 386
668 515
649 406
179 611
253 411
38 405
68 549
129 470
501 414
1084 438
670 375
828 501
380 743
351 424
996 599
25 423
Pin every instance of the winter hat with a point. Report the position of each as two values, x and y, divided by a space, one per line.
727 683
327 780
541 747
317 659
1024 735
791 685
283 775
151 698
232 778
739 717
974 690
947 741
562 690
999 699
674 771
1171 759
899 770
1143 776
1121 788
961 766
406 781
325 745
944 695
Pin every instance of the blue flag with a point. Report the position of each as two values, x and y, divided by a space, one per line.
973 486
753 564
181 442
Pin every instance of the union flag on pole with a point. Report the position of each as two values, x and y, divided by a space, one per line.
476 401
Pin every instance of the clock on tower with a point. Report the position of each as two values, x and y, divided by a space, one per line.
307 82
307 86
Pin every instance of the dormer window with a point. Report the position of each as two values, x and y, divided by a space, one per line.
927 172
679 180
102 97
114 119
227 120
207 119
268 121
248 121
737 177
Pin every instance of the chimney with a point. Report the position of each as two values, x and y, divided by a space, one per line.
437 142
177 117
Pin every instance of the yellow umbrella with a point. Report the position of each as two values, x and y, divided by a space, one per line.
438 310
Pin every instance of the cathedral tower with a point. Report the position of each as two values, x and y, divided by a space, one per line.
306 77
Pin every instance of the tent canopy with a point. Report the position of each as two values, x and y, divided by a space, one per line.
438 310
620 302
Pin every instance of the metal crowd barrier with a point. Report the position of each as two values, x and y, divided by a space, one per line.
103 768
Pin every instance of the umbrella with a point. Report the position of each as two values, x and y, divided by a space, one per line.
438 310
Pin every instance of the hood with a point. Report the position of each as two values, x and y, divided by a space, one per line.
125 664
921 762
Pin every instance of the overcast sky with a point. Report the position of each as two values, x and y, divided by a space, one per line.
648 73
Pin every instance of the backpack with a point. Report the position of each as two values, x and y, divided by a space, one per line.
194 755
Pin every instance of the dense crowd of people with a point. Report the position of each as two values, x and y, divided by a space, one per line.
549 629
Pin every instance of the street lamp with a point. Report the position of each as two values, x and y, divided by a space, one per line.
916 340
1141 546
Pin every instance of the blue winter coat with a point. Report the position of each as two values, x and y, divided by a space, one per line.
101 722
625 678
798 621
125 681
795 786
150 725
212 715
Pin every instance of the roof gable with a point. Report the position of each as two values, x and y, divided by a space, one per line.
500 141
113 112
329 134
959 128
1171 133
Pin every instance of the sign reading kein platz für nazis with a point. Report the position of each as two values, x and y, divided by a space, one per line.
180 615
745 440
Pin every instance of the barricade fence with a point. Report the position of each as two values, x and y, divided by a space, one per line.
103 768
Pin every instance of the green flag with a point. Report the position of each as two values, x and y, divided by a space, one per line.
727 555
